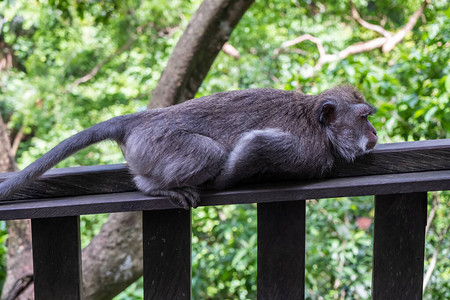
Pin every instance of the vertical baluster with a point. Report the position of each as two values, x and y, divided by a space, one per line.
167 254
399 241
281 250
57 258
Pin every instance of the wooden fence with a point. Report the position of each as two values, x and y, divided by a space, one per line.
399 175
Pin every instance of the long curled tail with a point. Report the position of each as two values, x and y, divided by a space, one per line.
113 129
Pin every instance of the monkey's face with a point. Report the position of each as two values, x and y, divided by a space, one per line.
345 119
368 134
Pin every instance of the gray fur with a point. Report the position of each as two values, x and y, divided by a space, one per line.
225 138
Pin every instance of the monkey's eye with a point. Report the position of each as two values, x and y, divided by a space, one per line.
368 113
364 110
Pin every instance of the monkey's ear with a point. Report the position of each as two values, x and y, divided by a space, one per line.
327 113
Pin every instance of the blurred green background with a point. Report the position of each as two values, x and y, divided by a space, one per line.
54 43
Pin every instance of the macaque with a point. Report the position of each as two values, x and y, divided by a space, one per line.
225 138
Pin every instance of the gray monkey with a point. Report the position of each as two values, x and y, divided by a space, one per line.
225 138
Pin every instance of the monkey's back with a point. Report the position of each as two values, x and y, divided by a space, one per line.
225 116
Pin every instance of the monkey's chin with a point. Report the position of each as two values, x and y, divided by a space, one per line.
370 146
368 150
365 150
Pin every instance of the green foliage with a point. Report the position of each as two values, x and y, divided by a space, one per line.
134 292
91 225
438 241
338 250
3 251
57 42
224 236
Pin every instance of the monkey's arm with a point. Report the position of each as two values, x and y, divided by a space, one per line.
258 151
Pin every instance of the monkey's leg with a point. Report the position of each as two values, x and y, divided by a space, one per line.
259 151
189 160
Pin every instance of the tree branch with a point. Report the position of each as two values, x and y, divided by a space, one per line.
362 47
300 39
386 43
390 44
19 286
436 202
16 142
434 258
231 51
368 25
326 58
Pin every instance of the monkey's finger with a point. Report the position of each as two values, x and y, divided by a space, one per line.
180 203
175 197
193 199
179 200
193 196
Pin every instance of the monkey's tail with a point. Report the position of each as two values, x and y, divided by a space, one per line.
113 129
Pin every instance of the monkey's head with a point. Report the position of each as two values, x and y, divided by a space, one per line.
343 114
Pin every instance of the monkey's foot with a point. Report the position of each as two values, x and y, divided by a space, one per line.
186 197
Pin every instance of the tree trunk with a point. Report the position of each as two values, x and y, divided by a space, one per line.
113 259
209 29
7 163
19 264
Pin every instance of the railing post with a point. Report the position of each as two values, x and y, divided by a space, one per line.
399 242
281 250
167 254
56 258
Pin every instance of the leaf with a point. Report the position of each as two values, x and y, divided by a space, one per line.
430 113
238 257
419 112
390 124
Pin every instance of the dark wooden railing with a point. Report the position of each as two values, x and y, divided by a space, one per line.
399 175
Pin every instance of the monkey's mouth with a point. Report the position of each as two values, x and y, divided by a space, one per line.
370 145
372 142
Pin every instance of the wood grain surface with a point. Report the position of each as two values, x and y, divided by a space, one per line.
392 158
281 250
57 258
391 168
399 245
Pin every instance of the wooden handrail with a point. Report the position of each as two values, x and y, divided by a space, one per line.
399 168
392 158
275 192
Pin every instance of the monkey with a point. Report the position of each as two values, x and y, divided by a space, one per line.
226 138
